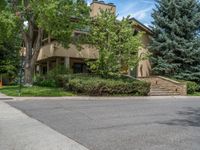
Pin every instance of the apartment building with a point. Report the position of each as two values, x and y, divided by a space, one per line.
53 54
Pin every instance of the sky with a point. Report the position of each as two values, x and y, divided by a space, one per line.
139 9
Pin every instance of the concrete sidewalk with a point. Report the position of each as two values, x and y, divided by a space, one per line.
4 97
20 132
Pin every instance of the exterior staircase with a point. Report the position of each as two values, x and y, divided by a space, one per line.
161 86
161 91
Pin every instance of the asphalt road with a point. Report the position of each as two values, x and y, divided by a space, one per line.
143 124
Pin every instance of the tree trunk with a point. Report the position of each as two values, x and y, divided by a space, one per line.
32 52
28 71
28 76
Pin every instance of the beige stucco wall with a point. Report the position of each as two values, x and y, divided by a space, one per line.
56 50
144 66
87 52
97 7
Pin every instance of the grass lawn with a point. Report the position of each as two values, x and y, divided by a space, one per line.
34 91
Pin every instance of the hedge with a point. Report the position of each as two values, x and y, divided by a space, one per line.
97 86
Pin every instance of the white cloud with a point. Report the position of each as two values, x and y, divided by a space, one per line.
147 24
125 11
141 14
89 2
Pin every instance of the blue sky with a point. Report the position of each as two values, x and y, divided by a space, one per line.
140 9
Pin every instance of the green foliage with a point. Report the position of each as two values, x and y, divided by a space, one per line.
44 81
175 46
192 87
97 86
2 4
60 18
10 43
52 79
59 70
114 39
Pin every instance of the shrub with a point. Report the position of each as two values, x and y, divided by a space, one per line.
53 78
96 86
62 80
44 81
59 70
192 87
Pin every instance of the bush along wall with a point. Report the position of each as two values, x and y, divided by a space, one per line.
192 87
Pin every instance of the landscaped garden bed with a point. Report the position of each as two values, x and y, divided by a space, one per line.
93 85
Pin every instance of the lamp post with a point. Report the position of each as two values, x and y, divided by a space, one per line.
1 81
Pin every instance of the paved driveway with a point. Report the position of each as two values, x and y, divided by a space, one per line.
143 124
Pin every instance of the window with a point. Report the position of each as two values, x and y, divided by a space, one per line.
80 68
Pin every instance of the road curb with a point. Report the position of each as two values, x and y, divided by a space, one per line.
5 97
104 98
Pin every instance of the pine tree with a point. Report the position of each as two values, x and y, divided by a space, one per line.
175 47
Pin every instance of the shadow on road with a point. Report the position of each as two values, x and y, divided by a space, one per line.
189 117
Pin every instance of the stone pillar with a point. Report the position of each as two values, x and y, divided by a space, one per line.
49 39
57 62
40 69
67 62
48 66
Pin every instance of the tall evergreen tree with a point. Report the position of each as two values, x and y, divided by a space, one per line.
175 47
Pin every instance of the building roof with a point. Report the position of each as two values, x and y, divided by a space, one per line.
142 26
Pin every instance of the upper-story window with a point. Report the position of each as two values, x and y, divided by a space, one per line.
135 32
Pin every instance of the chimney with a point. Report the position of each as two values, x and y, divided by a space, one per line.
96 6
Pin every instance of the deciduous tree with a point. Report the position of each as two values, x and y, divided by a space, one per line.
9 42
118 48
58 18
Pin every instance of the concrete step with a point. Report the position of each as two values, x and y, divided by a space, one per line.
160 91
164 93
164 90
169 92
157 87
